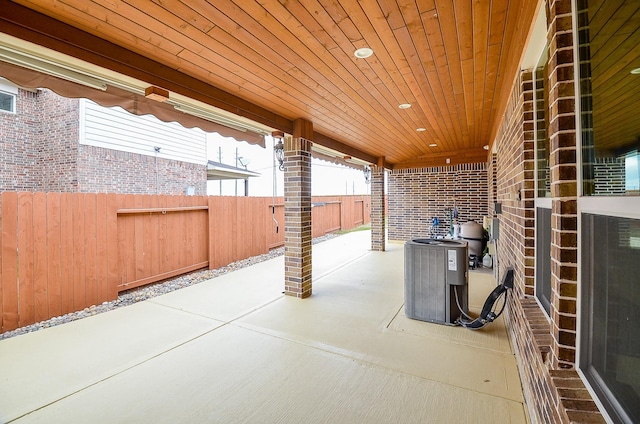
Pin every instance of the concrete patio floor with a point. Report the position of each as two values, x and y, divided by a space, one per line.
234 349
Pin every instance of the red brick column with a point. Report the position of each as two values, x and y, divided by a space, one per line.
528 192
378 237
297 211
564 187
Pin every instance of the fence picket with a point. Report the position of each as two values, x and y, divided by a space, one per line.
53 254
90 250
9 261
40 283
113 203
79 258
26 304
66 252
152 233
101 248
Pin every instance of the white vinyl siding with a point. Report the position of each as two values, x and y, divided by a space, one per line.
114 128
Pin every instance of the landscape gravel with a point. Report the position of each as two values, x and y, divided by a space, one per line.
139 294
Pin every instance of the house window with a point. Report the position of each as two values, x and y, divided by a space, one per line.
7 102
543 183
609 208
543 258
541 111
611 310
610 88
632 173
8 95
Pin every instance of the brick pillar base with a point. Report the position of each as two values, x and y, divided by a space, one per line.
378 237
297 217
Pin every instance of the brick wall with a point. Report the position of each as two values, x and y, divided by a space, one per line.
609 175
416 196
38 144
530 330
39 151
58 127
106 170
545 346
516 186
564 186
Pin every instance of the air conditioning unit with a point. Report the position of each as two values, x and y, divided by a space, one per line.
436 280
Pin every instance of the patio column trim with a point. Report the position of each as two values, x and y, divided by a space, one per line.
297 210
378 238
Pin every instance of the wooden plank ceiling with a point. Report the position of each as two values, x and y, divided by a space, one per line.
614 30
453 61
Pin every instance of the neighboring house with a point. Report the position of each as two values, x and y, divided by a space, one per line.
52 143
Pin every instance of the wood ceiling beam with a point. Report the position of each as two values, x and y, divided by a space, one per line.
29 25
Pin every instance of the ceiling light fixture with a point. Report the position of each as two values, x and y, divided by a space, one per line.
363 53
485 147
404 105
421 129
433 145
25 60
635 71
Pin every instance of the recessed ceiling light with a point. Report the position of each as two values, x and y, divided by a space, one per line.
363 53
485 147
432 145
421 129
404 106
635 71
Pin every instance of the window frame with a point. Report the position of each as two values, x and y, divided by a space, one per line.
11 90
614 206
540 202
13 98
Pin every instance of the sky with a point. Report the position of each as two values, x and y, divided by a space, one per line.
632 171
327 179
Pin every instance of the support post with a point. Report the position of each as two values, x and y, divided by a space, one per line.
378 237
297 210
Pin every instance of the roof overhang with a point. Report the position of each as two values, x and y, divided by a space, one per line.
220 171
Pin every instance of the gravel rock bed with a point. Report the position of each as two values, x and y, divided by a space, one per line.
139 294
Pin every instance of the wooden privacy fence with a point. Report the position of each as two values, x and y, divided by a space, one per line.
63 252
